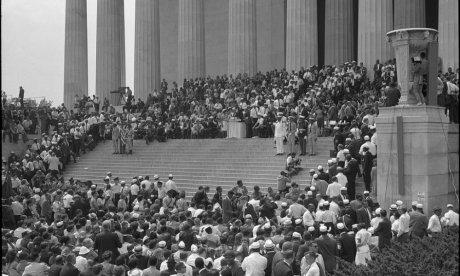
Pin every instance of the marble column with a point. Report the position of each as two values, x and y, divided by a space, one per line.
375 20
448 33
242 53
147 48
76 51
191 47
301 34
409 14
338 32
110 48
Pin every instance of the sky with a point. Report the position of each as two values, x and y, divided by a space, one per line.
32 47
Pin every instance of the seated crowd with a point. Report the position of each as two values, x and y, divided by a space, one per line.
53 226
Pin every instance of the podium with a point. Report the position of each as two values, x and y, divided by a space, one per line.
236 129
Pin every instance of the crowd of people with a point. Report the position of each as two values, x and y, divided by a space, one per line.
142 226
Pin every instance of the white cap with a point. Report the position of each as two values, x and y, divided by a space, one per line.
312 170
366 192
181 245
269 244
419 206
156 176
343 188
329 161
162 244
296 235
366 138
287 222
83 250
248 216
315 176
311 229
450 206
414 203
370 230
107 178
309 193
194 248
334 160
340 225
377 211
254 245
393 206
284 204
109 173
346 201
170 175
298 221
320 204
320 167
326 203
399 202
354 225
322 228
312 188
136 215
346 151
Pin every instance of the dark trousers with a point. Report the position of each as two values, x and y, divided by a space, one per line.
351 189
303 145
367 180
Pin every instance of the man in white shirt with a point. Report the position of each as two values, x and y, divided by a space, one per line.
341 178
67 199
450 217
280 133
333 189
371 146
309 215
147 183
404 222
170 184
434 224
254 264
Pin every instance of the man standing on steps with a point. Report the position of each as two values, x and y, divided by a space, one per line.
291 129
302 135
280 134
312 136
171 187
116 133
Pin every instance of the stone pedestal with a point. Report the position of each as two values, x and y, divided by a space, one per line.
424 165
191 58
76 52
448 33
338 32
375 20
242 44
409 14
410 43
110 48
301 34
147 48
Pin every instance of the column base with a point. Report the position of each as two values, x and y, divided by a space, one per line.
430 164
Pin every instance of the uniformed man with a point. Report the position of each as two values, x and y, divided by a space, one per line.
291 130
302 134
312 136
280 134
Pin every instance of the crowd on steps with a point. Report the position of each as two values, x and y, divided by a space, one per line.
142 226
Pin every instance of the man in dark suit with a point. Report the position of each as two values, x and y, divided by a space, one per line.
107 241
363 214
367 168
301 134
418 222
347 244
269 254
284 267
383 231
350 171
327 247
69 269
227 207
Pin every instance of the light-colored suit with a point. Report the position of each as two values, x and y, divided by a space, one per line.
116 132
313 132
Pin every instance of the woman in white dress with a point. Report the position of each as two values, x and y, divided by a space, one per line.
362 239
